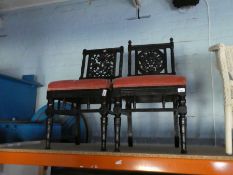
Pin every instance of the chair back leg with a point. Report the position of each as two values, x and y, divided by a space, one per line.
49 123
176 123
129 121
77 112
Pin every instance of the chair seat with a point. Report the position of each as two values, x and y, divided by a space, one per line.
149 81
84 84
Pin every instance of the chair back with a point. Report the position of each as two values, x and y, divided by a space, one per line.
102 63
151 59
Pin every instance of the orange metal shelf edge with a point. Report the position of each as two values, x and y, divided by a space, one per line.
122 163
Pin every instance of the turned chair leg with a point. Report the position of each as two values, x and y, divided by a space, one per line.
182 110
77 136
104 123
176 124
49 123
117 123
77 131
130 129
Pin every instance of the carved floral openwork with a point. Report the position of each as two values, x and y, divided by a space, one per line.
101 65
151 61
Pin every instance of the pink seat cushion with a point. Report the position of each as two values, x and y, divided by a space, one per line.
79 84
149 81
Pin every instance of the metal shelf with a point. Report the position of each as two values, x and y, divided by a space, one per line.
83 157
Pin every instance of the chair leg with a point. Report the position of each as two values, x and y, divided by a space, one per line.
117 123
49 123
77 112
176 124
182 110
104 123
77 136
130 129
228 129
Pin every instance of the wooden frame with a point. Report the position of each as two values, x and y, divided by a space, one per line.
96 64
157 56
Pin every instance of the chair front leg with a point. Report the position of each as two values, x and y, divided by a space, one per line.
49 122
129 118
176 123
104 122
117 122
182 110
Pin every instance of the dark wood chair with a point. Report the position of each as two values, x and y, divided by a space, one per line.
99 67
151 79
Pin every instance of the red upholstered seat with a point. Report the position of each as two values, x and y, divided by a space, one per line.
79 84
149 81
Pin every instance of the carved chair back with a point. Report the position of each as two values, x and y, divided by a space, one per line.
151 59
102 63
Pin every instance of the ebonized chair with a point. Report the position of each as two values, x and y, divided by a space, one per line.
151 79
99 67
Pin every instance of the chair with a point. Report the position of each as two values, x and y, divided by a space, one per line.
99 67
224 55
150 81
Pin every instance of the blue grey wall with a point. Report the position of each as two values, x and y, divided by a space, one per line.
48 41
